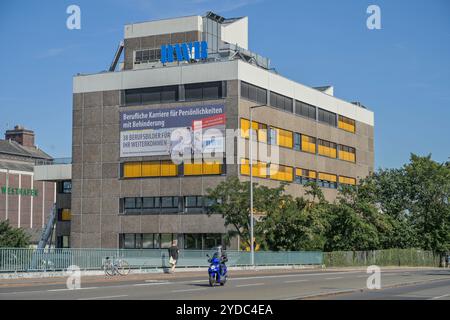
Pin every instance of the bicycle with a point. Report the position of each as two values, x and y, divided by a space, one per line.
115 266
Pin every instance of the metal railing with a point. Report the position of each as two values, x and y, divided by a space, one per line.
29 260
388 257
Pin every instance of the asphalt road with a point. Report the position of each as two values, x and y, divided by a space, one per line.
249 285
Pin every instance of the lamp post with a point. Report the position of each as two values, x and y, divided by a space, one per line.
252 249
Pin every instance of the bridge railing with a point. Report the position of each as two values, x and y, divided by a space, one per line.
28 260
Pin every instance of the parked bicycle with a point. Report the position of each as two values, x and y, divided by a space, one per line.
113 266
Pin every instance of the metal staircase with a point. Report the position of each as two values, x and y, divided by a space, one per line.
46 238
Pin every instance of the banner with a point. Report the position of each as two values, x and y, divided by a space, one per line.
156 132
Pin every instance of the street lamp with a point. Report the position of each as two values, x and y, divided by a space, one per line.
252 249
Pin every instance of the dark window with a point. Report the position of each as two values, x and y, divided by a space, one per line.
65 187
281 102
169 202
169 93
253 93
203 91
130 203
327 117
194 202
305 110
151 95
133 96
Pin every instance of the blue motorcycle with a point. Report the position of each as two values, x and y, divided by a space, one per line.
217 270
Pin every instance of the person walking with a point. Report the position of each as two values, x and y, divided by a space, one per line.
173 255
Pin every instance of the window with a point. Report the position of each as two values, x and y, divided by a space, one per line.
149 169
132 169
259 130
166 240
253 93
63 242
347 180
259 169
347 153
148 241
282 138
147 55
327 148
308 144
207 167
64 215
297 141
169 202
305 110
303 176
193 241
281 173
346 124
327 180
327 117
203 91
129 241
281 102
150 203
65 187
193 202
168 169
151 95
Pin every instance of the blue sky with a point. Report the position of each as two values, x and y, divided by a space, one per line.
401 72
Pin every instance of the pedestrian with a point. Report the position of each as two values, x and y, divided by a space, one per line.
173 255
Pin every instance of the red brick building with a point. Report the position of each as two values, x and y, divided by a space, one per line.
26 203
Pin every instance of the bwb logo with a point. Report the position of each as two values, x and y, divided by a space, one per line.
184 51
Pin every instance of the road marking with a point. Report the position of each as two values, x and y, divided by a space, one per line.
249 285
105 297
65 289
187 290
440 297
335 278
294 281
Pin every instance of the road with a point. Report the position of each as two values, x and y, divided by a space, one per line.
433 284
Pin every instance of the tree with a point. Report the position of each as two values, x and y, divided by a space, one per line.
297 224
11 237
355 223
429 205
231 198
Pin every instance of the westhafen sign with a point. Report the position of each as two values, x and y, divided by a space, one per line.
184 51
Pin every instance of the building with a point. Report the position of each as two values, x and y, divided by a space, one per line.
26 203
194 73
59 173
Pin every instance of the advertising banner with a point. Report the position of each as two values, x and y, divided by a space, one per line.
155 132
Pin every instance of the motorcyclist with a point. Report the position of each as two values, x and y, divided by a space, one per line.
223 258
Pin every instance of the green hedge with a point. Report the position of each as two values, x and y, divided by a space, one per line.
391 257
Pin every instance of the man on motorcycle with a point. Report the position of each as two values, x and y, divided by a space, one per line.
223 258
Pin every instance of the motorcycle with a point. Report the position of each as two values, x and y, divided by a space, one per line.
216 273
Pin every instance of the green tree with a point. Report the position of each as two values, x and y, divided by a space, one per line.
429 205
11 237
231 199
296 224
